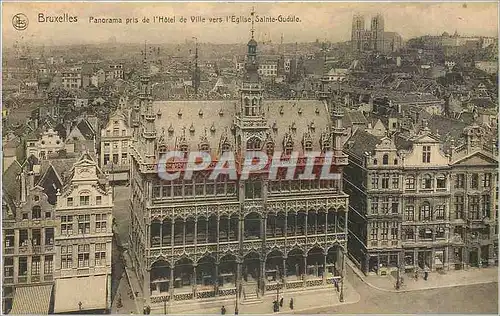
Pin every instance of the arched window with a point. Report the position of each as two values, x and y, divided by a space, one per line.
36 212
385 159
254 144
425 212
247 106
225 147
375 161
288 147
395 161
204 147
308 145
427 182
269 148
254 107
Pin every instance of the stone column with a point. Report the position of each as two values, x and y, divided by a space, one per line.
194 280
146 288
304 274
324 268
172 283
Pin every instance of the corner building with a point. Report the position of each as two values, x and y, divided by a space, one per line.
202 238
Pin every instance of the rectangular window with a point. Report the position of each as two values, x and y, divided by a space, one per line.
395 181
474 207
100 254
67 257
459 207
409 213
84 200
48 265
83 224
374 205
100 223
385 205
83 256
98 200
69 201
425 212
439 212
485 205
23 266
124 159
67 225
459 181
395 206
474 181
427 182
374 231
385 231
374 181
426 154
35 265
124 144
487 180
410 183
385 181
394 231
440 230
441 182
253 189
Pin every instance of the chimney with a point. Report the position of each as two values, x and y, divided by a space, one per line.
31 178
23 187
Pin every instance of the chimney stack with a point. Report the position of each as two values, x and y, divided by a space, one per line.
23 187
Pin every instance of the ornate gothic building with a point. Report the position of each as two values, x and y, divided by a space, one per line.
200 238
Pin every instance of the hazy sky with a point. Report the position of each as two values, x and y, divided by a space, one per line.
330 21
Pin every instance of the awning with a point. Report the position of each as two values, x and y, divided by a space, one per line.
83 293
32 300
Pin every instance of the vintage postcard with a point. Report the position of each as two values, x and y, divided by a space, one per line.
249 158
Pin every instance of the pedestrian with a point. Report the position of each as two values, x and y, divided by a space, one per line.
223 310
336 285
281 302
426 275
291 303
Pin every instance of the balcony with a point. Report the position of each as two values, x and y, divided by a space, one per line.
22 279
8 280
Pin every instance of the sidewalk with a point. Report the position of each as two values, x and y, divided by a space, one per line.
134 283
435 280
303 300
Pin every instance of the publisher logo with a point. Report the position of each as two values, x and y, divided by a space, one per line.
20 22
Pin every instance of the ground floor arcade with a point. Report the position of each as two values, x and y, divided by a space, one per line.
251 274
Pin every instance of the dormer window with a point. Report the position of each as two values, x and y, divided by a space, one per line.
288 147
395 161
183 148
84 200
385 159
69 201
204 147
269 148
225 147
36 212
308 146
426 154
254 144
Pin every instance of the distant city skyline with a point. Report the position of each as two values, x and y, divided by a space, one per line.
323 21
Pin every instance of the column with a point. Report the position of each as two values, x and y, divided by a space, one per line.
161 234
218 229
304 274
184 232
146 288
216 288
172 282
479 256
341 298
196 231
262 276
284 272
324 268
172 235
194 281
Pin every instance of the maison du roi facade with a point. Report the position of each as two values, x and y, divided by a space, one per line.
201 238
57 226
417 207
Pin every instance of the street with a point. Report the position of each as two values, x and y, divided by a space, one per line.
476 299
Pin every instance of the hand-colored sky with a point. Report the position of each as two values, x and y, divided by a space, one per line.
330 21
